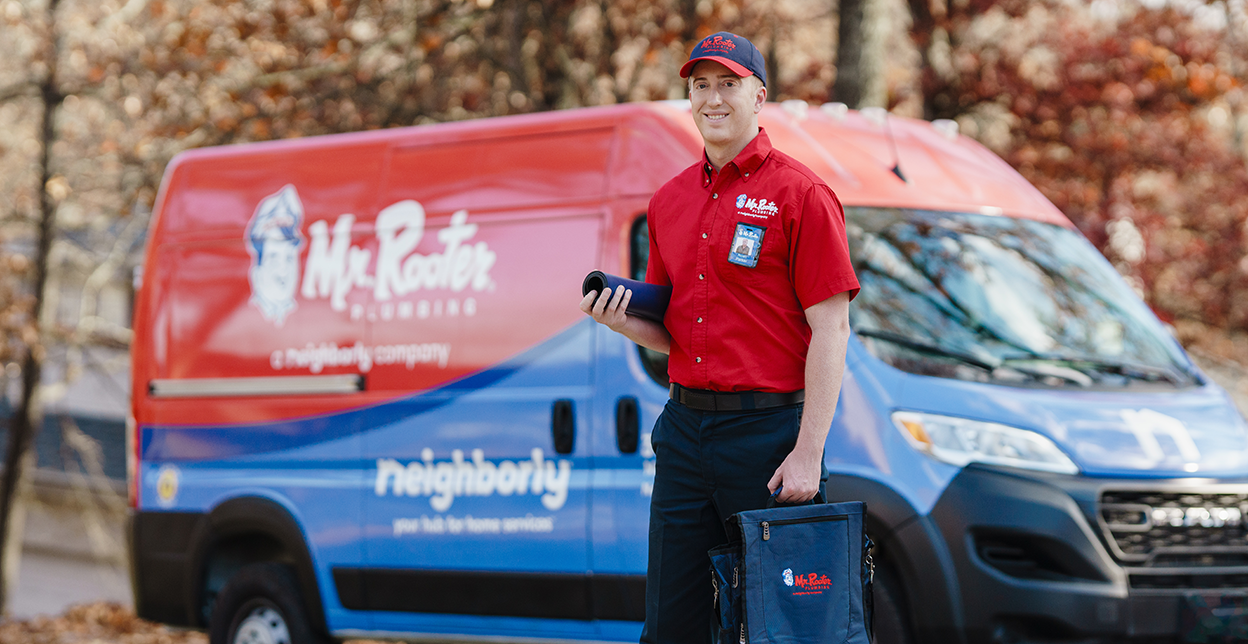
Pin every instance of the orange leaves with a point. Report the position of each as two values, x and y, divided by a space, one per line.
99 622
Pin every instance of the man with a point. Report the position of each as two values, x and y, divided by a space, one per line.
753 245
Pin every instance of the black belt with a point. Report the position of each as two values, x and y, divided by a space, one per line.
703 400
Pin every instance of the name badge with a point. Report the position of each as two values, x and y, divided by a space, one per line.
747 242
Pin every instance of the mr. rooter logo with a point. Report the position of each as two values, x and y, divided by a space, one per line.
718 43
334 266
806 584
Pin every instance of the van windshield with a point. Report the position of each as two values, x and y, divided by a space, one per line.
998 299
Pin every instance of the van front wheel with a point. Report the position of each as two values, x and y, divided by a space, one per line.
891 623
260 604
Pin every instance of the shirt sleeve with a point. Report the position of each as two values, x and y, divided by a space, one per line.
820 263
656 271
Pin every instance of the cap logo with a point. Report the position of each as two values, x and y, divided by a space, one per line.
718 43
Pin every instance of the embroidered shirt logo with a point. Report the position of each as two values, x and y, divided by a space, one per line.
756 208
788 576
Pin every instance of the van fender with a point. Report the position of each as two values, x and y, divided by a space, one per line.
915 551
265 520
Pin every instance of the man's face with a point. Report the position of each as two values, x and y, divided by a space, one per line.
725 106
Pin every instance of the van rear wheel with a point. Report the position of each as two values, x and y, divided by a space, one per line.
261 604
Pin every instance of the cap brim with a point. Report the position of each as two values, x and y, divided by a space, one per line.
737 68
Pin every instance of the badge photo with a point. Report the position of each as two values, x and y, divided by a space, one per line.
747 243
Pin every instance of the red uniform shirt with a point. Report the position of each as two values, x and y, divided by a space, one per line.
737 327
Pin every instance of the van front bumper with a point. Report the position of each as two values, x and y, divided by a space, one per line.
1036 561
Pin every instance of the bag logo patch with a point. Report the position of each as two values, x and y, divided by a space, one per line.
747 243
808 584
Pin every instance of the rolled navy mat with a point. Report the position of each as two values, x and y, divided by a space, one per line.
649 301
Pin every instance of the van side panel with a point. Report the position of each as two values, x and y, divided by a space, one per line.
441 277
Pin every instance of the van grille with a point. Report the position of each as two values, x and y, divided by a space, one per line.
1176 528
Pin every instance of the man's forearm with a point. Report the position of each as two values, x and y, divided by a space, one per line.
650 335
825 367
609 309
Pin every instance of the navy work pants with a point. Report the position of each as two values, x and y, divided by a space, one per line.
708 466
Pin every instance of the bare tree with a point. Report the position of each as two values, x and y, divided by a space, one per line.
29 414
850 44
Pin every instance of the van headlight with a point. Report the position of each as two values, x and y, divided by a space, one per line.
959 441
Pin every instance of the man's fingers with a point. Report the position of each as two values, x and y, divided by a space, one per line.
619 295
587 302
601 304
776 480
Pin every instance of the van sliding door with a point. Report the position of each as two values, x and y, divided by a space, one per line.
477 520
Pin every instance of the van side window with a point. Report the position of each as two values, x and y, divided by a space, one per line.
639 253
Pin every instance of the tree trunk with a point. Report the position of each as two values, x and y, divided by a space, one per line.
773 62
29 414
851 79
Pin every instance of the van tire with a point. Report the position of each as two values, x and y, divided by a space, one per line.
260 604
891 622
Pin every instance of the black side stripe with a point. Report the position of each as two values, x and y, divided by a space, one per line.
508 594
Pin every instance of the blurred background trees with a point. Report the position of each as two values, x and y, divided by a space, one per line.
1129 114
1130 117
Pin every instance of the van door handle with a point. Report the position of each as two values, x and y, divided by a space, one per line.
626 425
563 426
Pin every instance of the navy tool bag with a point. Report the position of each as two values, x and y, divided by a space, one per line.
794 575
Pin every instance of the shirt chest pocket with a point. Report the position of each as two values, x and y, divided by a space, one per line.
750 253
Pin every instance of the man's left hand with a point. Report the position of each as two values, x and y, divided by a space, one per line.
799 474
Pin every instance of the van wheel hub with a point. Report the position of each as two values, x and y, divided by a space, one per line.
263 626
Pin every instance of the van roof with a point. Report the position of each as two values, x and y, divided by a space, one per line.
850 149
943 170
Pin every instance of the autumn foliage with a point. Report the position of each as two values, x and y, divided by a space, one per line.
1128 114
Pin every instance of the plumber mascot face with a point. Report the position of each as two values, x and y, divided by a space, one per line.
274 240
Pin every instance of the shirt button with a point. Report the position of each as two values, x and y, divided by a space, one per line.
701 276
715 195
703 235
697 359
747 174
699 320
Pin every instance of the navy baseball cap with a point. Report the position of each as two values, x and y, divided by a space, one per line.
731 51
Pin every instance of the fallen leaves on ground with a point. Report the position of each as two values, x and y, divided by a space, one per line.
98 623
101 623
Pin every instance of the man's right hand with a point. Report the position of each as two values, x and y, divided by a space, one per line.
608 309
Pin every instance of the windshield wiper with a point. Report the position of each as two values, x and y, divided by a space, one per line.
1122 368
926 347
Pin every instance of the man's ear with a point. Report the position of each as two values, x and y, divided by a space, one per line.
760 97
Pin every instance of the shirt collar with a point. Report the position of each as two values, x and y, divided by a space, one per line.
747 161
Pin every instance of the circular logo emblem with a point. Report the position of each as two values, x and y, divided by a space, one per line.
167 484
741 199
